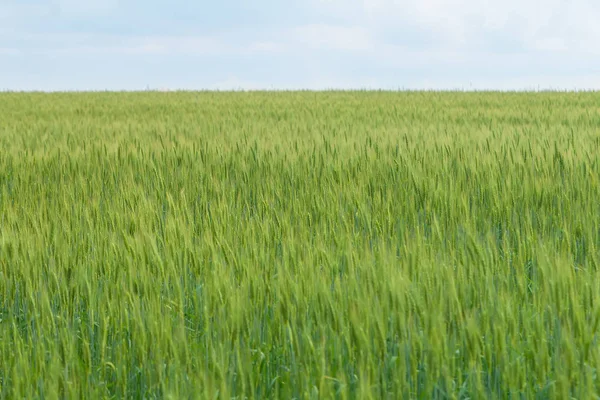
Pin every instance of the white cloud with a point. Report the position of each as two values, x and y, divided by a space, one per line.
502 44
13 15
322 36
549 44
537 24
159 45
79 8
8 51
260 47
233 83
334 83
192 45
311 83
349 44
525 83
330 82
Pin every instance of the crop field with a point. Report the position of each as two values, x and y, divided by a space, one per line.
300 245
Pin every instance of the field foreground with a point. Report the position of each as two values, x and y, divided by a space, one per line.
299 245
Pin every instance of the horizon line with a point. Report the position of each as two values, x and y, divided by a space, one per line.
301 90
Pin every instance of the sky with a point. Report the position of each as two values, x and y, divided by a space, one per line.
56 45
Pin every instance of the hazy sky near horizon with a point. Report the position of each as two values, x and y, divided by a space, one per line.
309 44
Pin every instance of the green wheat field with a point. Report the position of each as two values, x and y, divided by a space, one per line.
300 245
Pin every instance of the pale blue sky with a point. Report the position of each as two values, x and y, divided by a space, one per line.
310 44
